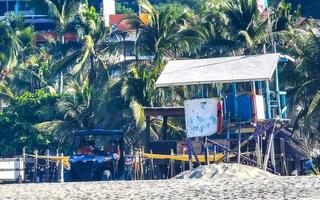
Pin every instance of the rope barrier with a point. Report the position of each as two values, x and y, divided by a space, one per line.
218 157
63 159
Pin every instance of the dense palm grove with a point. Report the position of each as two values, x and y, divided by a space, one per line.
57 87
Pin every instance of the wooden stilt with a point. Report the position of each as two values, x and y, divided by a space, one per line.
207 150
258 151
239 144
214 153
268 150
273 159
228 139
283 157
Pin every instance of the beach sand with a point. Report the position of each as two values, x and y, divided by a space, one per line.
220 188
207 184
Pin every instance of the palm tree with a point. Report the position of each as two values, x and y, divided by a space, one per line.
139 91
64 11
164 32
10 46
304 81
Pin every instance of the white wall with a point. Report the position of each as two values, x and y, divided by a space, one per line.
109 8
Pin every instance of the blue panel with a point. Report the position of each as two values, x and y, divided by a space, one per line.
245 107
229 104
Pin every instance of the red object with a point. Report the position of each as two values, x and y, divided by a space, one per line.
220 116
118 21
254 108
85 150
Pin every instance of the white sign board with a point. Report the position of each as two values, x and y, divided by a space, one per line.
260 107
201 117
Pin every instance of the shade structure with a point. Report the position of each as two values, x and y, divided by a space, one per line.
218 70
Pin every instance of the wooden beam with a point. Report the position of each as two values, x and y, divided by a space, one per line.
164 111
268 150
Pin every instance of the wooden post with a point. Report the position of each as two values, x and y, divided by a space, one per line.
278 91
235 100
152 167
35 174
207 151
164 127
147 131
172 173
141 165
214 153
283 157
268 102
258 151
47 165
273 159
24 162
61 170
57 166
239 143
228 139
266 156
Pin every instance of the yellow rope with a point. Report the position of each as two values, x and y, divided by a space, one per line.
63 159
212 158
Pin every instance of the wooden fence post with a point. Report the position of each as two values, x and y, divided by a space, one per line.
24 162
152 166
35 174
47 165
61 169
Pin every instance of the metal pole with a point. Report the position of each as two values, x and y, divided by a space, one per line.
235 101
268 102
278 92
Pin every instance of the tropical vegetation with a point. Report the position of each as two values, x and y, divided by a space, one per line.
52 89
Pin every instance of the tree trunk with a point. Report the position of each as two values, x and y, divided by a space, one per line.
61 73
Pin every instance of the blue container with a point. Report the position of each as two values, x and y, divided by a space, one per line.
244 107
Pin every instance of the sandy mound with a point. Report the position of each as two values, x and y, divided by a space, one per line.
224 170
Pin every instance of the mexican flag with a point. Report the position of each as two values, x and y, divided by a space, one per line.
262 5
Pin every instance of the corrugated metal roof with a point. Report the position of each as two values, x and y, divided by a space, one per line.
218 70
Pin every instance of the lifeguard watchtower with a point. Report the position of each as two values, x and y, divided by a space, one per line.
253 108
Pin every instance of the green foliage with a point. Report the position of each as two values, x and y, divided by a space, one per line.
122 9
101 92
19 119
